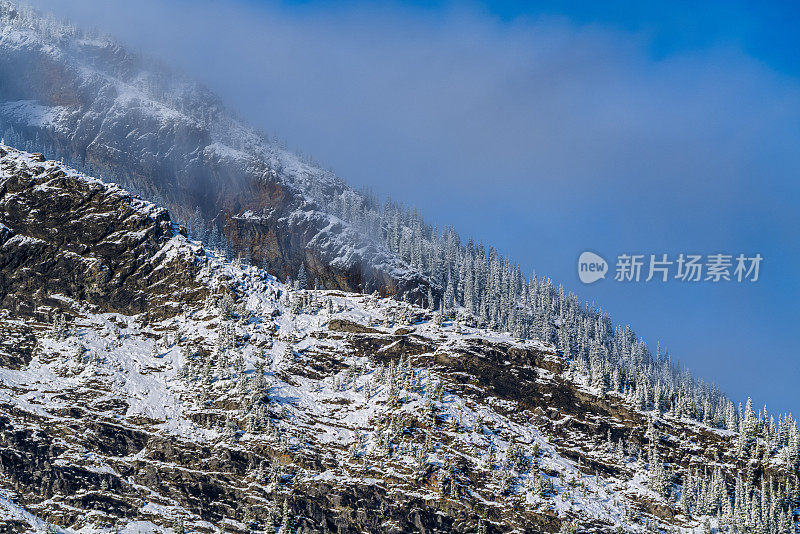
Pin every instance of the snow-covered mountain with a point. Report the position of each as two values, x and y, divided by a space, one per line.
149 385
147 381
108 111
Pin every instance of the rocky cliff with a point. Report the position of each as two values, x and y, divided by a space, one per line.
65 239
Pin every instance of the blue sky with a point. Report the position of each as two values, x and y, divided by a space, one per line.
545 131
767 30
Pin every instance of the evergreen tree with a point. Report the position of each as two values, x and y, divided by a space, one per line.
286 525
302 277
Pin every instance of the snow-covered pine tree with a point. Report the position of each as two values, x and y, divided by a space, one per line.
58 330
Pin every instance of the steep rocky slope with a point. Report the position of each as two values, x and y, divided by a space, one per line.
148 386
84 241
108 110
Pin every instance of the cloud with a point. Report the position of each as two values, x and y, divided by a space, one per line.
390 94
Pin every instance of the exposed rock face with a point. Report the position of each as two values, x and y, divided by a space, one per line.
65 238
104 109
